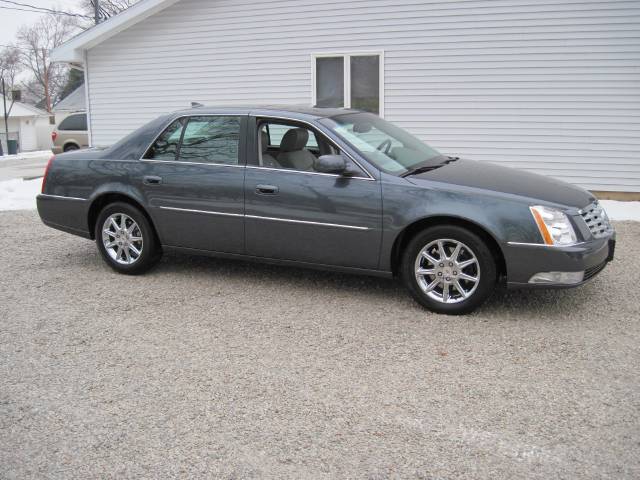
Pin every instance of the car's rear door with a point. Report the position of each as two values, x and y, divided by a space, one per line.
193 179
308 216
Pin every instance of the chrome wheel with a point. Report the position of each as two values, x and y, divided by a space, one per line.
122 239
447 271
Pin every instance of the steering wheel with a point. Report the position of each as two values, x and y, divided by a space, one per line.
385 146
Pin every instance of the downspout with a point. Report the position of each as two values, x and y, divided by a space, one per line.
85 56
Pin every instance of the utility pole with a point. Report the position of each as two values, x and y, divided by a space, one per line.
96 11
6 116
46 73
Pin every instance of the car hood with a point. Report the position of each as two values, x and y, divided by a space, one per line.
494 178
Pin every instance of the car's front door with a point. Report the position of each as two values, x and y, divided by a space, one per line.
295 213
193 179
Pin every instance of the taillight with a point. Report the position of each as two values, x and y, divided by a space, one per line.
54 135
46 172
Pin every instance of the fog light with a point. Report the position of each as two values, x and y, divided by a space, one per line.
567 278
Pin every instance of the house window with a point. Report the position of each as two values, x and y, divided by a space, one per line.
350 81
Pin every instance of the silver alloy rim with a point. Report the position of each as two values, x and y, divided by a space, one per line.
447 271
122 239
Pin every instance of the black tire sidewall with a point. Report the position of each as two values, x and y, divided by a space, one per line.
485 258
150 250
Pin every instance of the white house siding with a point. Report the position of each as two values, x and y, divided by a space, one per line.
550 86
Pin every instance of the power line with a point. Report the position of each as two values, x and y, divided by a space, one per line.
35 8
65 14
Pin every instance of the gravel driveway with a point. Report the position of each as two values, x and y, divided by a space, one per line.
209 368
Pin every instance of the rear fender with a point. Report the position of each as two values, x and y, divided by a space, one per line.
114 192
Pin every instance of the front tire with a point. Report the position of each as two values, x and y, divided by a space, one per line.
448 269
126 240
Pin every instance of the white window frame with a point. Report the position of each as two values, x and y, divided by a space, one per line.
347 74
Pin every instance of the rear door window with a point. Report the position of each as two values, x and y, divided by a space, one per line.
166 145
76 122
212 139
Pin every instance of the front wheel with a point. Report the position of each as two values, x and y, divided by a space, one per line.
126 239
449 269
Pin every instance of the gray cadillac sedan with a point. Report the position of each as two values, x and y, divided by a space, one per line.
326 188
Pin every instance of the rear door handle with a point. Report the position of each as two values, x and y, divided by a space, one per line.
266 189
151 180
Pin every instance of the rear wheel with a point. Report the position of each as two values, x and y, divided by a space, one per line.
126 239
449 269
71 147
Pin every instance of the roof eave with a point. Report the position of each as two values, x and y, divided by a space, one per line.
73 50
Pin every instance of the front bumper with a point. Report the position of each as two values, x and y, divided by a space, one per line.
523 261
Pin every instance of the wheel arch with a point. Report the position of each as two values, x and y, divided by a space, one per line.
69 143
106 198
403 238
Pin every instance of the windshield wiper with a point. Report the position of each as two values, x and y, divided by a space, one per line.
428 168
416 171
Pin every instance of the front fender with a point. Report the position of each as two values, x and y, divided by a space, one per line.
504 218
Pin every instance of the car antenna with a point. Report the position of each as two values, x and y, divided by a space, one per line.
196 105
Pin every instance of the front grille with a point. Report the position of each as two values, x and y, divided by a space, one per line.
593 271
596 219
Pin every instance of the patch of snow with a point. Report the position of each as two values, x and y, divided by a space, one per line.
18 194
20 156
622 210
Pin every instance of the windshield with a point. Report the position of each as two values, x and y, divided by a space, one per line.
386 146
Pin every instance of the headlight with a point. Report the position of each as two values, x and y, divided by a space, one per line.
554 225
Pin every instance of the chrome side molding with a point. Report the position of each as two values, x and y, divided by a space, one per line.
61 197
271 219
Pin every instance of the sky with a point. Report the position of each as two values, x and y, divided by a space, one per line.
12 20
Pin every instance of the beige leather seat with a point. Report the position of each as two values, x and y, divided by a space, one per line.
293 153
266 160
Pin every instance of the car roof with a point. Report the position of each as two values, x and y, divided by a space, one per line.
301 112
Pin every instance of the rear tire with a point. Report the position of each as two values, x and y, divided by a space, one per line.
126 240
71 148
448 269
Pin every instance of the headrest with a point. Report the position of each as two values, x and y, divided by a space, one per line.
264 141
294 140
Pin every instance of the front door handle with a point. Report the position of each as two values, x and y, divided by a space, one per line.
266 189
151 180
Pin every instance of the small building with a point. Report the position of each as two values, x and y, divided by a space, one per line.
29 125
72 103
551 87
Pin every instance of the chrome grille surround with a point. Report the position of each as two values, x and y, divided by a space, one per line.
597 220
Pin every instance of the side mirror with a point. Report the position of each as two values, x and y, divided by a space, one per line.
330 164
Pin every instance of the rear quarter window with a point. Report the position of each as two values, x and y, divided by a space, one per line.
74 122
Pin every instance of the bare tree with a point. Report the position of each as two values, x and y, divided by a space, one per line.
36 43
107 8
10 66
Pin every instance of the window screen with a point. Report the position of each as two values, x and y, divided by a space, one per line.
211 140
365 83
330 82
350 81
